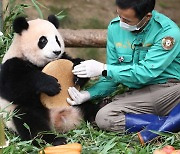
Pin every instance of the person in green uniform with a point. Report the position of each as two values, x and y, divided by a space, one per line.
143 53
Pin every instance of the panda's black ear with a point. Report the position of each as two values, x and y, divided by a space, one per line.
20 24
54 20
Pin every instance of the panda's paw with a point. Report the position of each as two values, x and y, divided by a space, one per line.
51 87
59 141
77 61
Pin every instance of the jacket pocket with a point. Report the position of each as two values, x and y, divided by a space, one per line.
124 58
142 54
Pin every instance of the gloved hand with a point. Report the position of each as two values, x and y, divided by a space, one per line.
78 97
88 69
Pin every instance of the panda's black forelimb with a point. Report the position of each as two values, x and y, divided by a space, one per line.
48 85
21 82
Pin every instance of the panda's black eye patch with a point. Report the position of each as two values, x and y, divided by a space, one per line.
42 42
57 41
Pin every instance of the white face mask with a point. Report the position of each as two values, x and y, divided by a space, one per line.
130 27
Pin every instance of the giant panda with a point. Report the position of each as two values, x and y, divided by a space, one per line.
35 44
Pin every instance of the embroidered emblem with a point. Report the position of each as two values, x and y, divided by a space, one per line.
148 45
121 59
168 43
119 44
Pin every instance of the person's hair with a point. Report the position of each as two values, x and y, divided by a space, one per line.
141 7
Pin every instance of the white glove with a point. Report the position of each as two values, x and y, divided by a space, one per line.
77 97
88 69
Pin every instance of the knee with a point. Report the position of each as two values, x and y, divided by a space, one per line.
108 120
102 119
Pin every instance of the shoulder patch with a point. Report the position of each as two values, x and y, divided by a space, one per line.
168 43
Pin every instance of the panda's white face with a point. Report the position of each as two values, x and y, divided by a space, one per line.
40 43
46 41
49 43
52 47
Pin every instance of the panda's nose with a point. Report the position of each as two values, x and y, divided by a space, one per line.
56 52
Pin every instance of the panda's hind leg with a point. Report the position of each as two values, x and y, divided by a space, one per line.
32 123
89 110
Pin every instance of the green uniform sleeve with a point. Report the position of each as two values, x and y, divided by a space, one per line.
156 61
105 86
102 88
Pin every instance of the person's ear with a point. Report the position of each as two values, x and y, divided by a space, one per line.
149 15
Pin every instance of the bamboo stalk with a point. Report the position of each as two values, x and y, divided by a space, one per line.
2 134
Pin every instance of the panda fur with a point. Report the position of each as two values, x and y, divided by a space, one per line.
35 44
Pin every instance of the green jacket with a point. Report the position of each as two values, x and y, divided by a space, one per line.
138 59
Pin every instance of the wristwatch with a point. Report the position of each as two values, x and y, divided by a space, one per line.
104 73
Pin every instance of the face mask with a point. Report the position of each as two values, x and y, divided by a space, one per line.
129 27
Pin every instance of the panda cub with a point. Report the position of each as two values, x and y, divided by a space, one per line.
35 44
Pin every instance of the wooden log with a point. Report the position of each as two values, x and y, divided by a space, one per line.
92 38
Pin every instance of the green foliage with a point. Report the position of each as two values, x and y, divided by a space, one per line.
36 5
11 14
17 146
95 141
